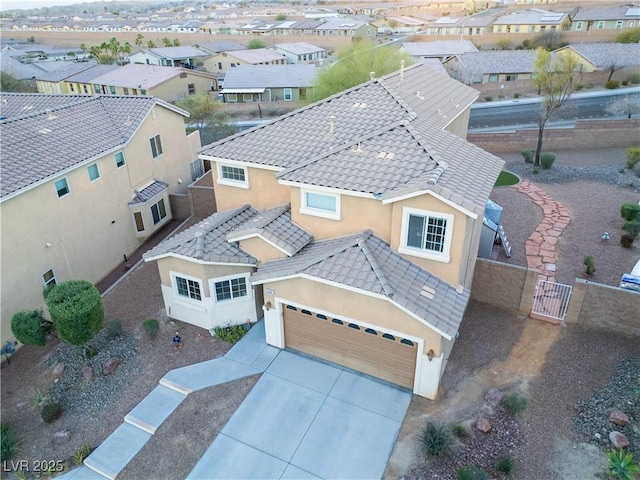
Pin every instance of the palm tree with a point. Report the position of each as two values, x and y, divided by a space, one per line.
150 44
166 42
114 46
176 42
139 38
95 51
83 47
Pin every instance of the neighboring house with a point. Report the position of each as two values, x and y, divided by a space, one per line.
473 25
222 62
267 83
52 81
170 56
346 27
85 180
606 18
216 47
530 21
167 83
606 57
82 83
439 49
399 25
28 73
492 66
301 52
352 225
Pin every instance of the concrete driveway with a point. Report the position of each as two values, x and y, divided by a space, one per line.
307 419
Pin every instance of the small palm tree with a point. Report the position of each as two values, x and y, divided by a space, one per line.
176 42
166 42
138 41
151 44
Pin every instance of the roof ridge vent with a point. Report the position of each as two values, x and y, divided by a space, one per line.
332 124
419 95
358 149
50 115
372 75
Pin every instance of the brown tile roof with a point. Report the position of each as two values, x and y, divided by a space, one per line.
365 262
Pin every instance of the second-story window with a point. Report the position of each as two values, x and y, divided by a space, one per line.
232 175
320 204
156 146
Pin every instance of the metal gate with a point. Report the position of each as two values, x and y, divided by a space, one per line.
551 300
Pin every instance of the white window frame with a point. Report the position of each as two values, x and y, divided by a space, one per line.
161 216
619 24
600 25
97 171
66 183
230 182
445 255
579 25
317 212
124 160
155 143
188 278
52 281
229 278
232 97
631 23
288 94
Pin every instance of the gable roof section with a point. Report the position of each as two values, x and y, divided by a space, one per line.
63 73
256 55
39 135
269 76
298 48
603 55
206 241
498 61
221 46
623 12
276 227
135 75
439 47
534 16
366 263
90 74
148 192
178 52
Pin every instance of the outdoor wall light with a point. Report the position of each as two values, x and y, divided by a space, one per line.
268 306
431 354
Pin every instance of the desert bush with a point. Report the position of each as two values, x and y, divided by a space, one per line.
114 328
547 159
471 472
630 211
621 465
579 87
82 453
634 78
527 155
435 439
625 83
28 327
151 327
505 465
626 240
488 98
51 412
632 228
612 84
516 95
633 156
459 431
589 265
514 403
231 333
10 443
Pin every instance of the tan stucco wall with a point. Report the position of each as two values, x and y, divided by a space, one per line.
200 271
460 125
177 88
352 305
92 227
211 63
449 272
261 250
358 214
264 191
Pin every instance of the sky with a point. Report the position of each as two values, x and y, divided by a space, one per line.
10 4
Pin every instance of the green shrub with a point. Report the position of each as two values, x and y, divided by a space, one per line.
28 327
579 87
488 98
231 333
82 453
472 473
114 328
632 228
435 439
626 240
589 264
9 442
625 83
51 412
634 78
630 211
459 431
505 465
516 95
612 84
514 403
621 465
630 35
547 159
527 155
151 327
633 156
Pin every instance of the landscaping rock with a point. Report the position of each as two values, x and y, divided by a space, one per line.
618 440
483 425
61 437
494 396
87 373
110 365
58 370
619 418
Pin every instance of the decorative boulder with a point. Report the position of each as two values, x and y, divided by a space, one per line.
87 373
58 370
483 425
63 436
110 365
618 440
494 396
619 418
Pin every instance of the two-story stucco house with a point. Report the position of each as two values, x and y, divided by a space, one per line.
352 225
85 180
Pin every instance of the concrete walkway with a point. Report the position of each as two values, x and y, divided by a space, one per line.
249 356
540 247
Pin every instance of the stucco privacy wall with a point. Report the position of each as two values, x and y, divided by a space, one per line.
351 305
498 284
202 199
586 133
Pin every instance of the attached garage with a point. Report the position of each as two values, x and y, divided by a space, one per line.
388 357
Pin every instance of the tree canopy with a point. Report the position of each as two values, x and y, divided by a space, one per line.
255 43
630 35
207 116
354 65
28 327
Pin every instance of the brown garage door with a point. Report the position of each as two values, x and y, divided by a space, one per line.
364 349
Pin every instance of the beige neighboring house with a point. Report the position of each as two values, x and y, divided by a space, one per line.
438 49
606 57
492 66
531 21
167 83
606 18
351 225
223 61
85 180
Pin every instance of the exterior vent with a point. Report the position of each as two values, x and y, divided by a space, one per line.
427 292
44 131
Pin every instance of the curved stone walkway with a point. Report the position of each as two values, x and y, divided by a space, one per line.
540 247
